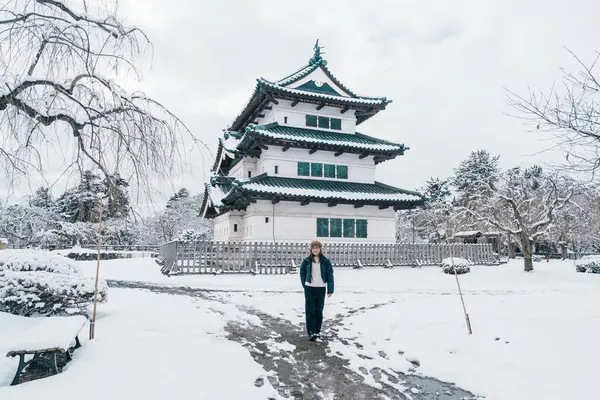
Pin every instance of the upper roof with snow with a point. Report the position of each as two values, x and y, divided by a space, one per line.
313 83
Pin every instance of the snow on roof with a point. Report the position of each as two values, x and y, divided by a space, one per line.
216 195
361 100
302 72
230 144
466 233
326 137
329 194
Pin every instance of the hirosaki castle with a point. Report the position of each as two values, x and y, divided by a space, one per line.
292 166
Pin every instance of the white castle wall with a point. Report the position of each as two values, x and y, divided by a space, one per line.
359 170
296 116
289 221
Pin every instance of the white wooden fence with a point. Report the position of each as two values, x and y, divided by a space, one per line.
210 257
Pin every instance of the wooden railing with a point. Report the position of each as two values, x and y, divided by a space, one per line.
266 257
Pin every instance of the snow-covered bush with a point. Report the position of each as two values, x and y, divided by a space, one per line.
461 265
590 265
35 282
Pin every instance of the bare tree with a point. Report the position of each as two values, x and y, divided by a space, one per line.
524 205
59 96
571 112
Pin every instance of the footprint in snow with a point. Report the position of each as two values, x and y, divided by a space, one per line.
414 361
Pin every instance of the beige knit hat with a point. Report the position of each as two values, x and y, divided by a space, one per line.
315 243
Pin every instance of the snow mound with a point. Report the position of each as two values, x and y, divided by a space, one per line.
461 265
589 264
36 282
35 260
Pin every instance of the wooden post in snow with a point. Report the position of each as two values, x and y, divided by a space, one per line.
93 324
460 291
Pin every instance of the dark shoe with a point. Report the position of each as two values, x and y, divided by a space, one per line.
312 337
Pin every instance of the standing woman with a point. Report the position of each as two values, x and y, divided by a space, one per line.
316 275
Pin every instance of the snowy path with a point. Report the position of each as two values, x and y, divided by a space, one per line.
306 370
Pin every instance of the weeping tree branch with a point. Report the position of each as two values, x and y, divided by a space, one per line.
70 97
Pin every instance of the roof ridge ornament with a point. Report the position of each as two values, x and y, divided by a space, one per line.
317 55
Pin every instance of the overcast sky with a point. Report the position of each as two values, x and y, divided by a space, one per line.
443 63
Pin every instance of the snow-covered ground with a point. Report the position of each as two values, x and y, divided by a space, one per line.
534 334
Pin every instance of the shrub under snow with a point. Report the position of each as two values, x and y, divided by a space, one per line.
590 265
461 265
36 282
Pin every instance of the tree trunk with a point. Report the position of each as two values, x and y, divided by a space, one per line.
527 252
512 251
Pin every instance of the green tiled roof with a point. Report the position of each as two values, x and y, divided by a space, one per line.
334 139
325 190
325 96
281 88
312 66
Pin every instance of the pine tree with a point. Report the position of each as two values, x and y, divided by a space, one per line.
437 190
81 204
477 175
42 198
118 204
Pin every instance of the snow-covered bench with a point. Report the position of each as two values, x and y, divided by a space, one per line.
42 337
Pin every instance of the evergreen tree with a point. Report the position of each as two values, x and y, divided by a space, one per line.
476 176
81 203
117 204
181 194
42 198
437 190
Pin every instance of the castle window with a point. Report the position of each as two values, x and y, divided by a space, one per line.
361 228
324 122
329 171
303 168
249 174
335 227
235 227
322 227
311 120
338 227
276 169
266 220
336 124
342 171
285 120
316 169
348 228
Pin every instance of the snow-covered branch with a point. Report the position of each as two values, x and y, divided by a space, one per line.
66 54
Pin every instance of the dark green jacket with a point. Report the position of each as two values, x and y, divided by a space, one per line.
326 272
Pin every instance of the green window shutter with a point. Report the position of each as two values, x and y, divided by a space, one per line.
303 168
335 227
361 228
322 227
324 122
311 120
336 123
329 171
342 172
348 228
316 169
